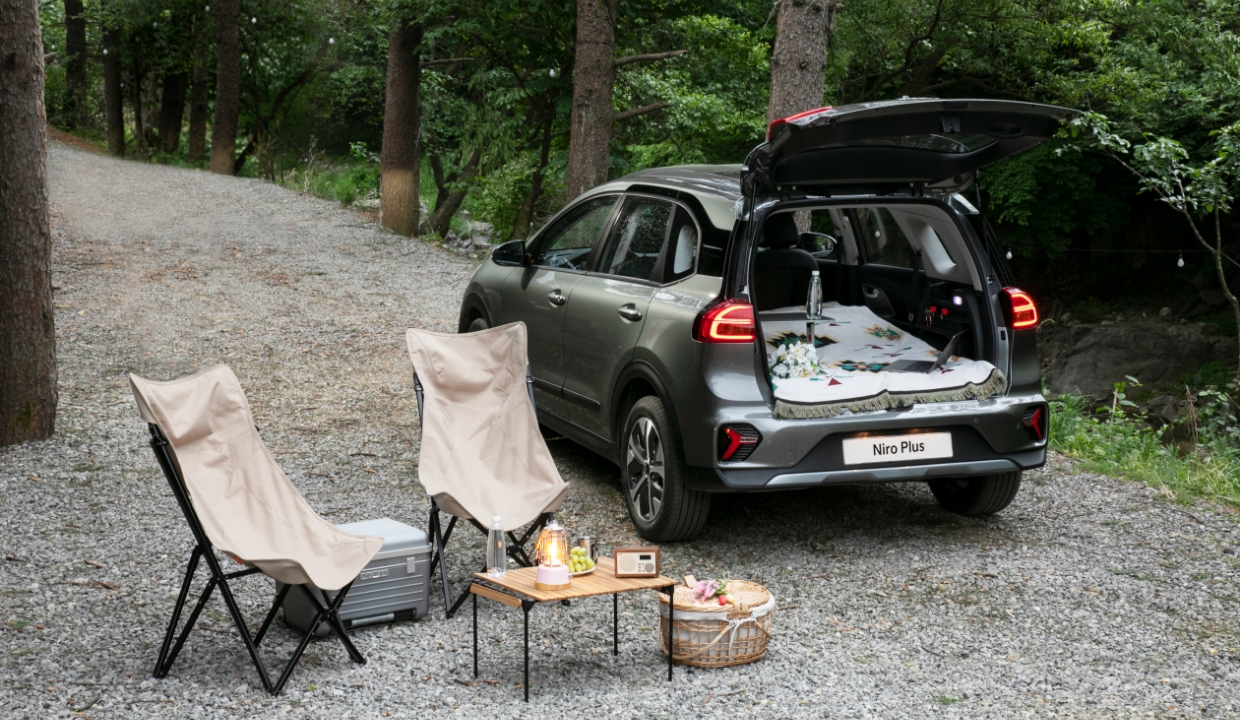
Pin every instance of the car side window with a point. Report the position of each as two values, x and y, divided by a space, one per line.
637 240
882 241
683 248
570 241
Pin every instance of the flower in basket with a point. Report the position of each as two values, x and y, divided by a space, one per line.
795 359
707 590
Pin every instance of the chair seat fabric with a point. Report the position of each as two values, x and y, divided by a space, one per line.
246 504
482 453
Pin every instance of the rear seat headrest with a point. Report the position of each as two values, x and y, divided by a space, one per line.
780 231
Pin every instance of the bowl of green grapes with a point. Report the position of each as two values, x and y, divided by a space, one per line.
581 556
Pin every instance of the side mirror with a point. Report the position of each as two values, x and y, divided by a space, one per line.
510 254
818 242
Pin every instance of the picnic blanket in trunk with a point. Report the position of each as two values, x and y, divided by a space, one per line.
845 372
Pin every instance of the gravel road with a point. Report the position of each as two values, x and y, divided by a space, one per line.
1087 598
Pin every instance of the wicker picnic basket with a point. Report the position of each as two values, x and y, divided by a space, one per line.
705 634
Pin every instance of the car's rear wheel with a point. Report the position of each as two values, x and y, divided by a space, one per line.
652 475
479 323
976 496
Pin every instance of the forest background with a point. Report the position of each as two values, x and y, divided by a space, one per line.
496 93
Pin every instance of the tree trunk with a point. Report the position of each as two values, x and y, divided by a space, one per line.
525 214
799 60
449 200
139 126
227 87
593 74
113 94
172 111
75 64
28 390
402 129
198 97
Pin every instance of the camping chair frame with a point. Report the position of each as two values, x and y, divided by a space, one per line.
326 611
515 545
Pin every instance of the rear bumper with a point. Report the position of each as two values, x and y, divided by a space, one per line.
987 438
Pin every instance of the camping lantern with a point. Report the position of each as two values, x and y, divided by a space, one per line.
551 554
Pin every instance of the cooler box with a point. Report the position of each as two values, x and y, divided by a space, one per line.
394 586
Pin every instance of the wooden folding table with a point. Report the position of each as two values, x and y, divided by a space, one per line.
516 589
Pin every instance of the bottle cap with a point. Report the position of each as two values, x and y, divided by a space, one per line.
494 519
814 273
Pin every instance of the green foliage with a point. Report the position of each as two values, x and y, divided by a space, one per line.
1125 446
314 76
718 92
1035 196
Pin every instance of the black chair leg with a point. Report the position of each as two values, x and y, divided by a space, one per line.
440 558
176 611
239 621
328 613
162 671
271 615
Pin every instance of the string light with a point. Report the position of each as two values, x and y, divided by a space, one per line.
331 41
1180 262
1009 254
553 72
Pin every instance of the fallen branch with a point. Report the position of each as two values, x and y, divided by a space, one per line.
647 57
640 111
923 647
49 57
447 61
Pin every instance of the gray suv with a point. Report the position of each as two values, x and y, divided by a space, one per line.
647 302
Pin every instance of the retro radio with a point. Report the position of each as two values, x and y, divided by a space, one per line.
637 562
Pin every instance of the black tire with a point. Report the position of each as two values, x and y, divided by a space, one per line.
479 323
662 508
976 496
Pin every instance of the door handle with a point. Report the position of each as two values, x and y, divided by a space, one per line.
870 291
556 297
630 312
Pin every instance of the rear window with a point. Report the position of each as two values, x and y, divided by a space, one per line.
882 240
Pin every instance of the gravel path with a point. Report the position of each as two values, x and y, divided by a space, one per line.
1087 598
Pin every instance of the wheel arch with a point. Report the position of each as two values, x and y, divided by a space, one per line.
639 379
472 308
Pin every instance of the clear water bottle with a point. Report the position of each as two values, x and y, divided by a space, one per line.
813 303
497 553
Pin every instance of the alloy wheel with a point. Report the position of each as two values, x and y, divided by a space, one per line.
644 468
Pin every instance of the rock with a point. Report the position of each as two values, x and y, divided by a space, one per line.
1165 408
1164 312
1088 358
1212 298
1065 317
482 233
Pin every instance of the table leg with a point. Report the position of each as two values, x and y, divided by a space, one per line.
475 600
615 623
525 606
671 608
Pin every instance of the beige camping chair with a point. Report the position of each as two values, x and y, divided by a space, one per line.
482 453
237 499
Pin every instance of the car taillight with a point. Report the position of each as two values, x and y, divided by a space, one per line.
730 321
737 442
1035 421
777 124
1021 312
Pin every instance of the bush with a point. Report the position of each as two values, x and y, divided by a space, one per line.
1206 465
